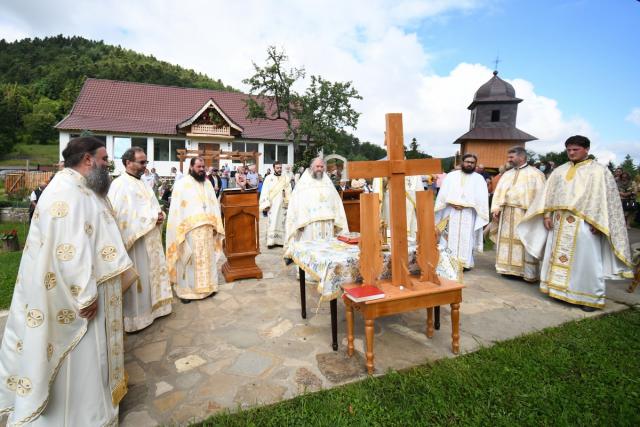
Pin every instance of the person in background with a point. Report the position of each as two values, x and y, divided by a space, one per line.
176 174
224 177
35 196
617 173
156 180
480 170
627 197
252 177
214 178
147 178
241 178
344 184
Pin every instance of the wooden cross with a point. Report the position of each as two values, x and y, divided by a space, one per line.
396 168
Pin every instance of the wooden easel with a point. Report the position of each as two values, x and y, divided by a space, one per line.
403 292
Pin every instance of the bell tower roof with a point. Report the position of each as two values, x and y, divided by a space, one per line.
495 90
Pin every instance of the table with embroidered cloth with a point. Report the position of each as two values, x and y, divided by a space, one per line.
332 263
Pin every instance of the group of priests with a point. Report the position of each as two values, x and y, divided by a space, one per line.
94 266
568 232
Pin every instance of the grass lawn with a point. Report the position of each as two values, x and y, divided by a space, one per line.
9 263
581 373
36 153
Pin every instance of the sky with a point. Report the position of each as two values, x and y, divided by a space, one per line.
575 63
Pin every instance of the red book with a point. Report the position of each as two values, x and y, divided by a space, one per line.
350 238
364 293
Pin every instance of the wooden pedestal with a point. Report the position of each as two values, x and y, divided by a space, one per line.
241 227
396 300
351 203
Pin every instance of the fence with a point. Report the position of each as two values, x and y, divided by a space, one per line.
19 181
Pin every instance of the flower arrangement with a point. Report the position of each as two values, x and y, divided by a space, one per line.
9 235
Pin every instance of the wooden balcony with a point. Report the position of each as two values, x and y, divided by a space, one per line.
210 130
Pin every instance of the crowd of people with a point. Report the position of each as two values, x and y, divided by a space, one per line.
94 265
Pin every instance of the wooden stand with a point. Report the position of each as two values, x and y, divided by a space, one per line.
351 203
400 301
404 292
241 227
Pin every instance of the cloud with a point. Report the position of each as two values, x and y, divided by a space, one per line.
634 116
372 43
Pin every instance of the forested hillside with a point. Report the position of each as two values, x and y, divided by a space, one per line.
40 79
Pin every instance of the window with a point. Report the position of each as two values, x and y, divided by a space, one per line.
120 145
176 144
244 146
139 142
495 115
269 153
273 152
165 150
160 150
283 154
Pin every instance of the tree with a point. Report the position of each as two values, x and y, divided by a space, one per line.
316 117
414 152
628 166
39 123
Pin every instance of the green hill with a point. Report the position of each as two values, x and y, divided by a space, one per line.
40 79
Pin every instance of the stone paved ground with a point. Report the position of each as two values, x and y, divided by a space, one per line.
248 345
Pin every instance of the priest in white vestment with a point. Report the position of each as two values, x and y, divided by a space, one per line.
194 235
140 221
274 198
315 210
577 228
61 360
513 195
411 185
461 210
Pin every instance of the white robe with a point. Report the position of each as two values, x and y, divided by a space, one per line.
137 208
462 228
514 193
315 211
575 261
412 184
57 368
275 194
194 238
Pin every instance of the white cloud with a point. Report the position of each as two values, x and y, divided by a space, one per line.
634 116
368 42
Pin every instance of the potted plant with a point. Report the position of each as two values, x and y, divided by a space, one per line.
9 241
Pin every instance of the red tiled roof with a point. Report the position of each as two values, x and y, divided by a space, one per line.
126 107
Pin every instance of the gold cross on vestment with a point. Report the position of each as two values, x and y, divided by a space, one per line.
396 168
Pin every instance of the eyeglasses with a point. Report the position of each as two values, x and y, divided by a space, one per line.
140 162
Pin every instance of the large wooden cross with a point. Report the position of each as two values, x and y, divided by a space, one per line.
395 169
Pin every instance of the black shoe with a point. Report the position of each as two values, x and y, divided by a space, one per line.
185 301
587 308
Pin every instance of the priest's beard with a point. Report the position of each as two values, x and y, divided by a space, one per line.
318 175
98 179
470 169
277 173
198 176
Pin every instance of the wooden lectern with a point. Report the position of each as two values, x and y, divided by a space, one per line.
351 203
241 227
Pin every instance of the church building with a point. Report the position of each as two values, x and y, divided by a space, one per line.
164 119
492 128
